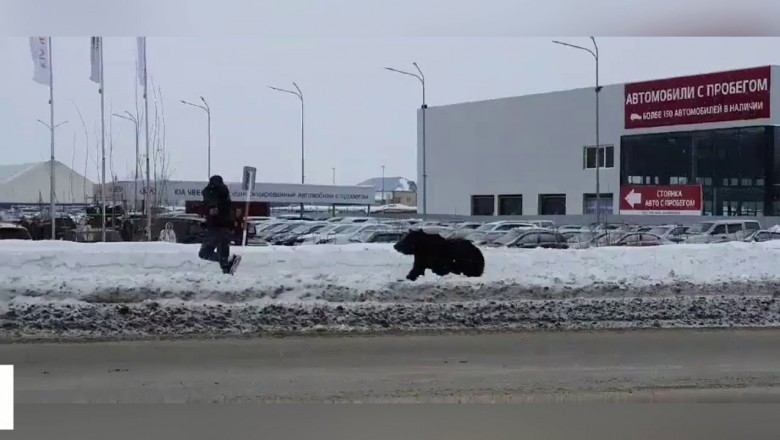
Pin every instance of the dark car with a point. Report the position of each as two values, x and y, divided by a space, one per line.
539 239
10 231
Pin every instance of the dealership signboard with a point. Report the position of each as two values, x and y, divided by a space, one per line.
716 97
181 191
661 200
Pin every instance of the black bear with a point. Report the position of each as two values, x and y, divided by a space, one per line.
442 256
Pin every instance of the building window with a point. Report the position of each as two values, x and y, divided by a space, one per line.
606 157
510 204
736 166
552 204
678 180
589 203
483 205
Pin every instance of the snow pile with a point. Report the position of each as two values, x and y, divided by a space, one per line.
123 290
132 272
775 228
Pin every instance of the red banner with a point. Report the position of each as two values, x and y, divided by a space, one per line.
663 200
715 97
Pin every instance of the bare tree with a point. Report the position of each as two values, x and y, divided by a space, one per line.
86 144
160 156
72 167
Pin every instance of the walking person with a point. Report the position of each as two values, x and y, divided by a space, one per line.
168 234
219 226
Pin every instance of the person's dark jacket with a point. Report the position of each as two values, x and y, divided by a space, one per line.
216 195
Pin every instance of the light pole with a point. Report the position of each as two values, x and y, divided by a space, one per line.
132 119
299 94
53 208
205 107
383 184
420 77
334 176
595 53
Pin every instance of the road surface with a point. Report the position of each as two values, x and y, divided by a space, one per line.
664 365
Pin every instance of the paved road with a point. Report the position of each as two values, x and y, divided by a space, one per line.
668 365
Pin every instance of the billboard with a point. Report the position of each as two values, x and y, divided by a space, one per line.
716 97
661 200
179 191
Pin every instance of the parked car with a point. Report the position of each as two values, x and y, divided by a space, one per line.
508 237
641 239
675 233
343 236
578 239
720 231
378 237
290 237
11 231
539 239
763 235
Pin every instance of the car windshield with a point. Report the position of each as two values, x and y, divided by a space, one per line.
346 229
660 230
609 238
508 237
277 227
302 229
486 227
700 228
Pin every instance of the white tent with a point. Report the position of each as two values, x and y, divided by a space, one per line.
29 183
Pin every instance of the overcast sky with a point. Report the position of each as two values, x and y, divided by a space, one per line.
358 116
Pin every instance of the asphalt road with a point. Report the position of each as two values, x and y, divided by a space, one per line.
664 365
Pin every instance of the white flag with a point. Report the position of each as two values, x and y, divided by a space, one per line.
97 62
141 59
39 48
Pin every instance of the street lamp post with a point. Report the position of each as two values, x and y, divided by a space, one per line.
420 77
205 107
132 119
595 53
52 195
297 92
334 176
383 184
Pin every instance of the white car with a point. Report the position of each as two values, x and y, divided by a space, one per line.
354 230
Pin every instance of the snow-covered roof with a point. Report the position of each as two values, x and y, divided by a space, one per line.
8 172
391 184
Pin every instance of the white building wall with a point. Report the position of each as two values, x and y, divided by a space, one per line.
530 145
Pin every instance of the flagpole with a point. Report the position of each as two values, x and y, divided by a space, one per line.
52 196
103 138
148 178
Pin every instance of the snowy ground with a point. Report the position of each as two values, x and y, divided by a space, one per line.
159 289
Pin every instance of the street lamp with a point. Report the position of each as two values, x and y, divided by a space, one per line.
595 53
132 119
334 176
52 195
383 184
297 92
205 107
420 77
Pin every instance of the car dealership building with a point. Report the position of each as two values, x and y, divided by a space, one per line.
705 144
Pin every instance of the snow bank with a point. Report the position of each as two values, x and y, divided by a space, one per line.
134 290
133 272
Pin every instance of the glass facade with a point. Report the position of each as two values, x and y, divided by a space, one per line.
737 167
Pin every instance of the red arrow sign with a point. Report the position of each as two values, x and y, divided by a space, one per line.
663 200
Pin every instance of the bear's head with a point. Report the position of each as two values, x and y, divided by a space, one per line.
409 242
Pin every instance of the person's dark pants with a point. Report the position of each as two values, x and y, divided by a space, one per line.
216 247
